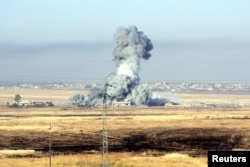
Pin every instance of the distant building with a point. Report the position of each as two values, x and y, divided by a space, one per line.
27 103
24 103
124 103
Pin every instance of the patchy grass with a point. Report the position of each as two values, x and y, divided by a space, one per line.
89 120
178 126
116 160
11 153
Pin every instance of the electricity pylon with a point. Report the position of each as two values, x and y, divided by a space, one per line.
50 143
105 161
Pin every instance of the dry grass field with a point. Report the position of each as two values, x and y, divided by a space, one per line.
154 136
7 95
116 160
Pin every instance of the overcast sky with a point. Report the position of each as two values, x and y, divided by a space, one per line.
62 40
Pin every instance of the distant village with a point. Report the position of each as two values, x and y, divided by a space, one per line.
183 87
27 103
243 88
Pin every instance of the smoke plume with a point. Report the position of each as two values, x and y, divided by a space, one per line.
131 46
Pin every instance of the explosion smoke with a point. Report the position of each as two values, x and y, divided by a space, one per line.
76 99
131 46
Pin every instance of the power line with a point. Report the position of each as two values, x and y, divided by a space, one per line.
105 161
50 144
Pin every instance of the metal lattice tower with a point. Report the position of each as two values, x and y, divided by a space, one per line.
50 144
105 161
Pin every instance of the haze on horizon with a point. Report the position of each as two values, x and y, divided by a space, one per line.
204 41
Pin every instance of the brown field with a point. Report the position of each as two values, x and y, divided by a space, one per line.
154 136
7 95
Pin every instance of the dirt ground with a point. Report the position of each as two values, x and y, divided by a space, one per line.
165 130
147 131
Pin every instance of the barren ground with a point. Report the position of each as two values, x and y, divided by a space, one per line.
135 133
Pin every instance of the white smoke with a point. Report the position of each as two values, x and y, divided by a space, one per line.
131 46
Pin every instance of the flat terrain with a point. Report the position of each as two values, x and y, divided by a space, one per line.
57 96
177 135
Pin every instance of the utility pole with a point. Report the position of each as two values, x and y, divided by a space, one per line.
50 143
105 161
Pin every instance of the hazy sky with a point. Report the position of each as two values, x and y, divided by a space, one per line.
62 40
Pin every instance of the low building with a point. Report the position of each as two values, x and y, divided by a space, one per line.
27 103
124 103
